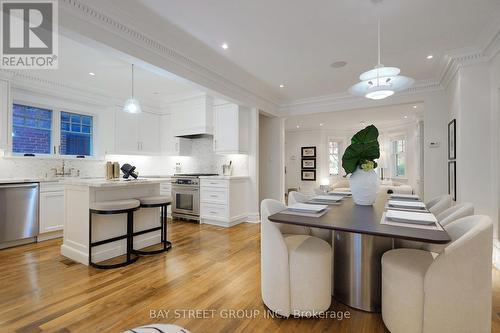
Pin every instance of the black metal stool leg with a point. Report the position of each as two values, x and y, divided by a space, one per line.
163 231
127 237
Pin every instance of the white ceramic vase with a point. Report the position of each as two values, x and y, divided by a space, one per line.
364 186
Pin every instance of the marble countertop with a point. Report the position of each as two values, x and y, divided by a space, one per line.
101 182
97 182
224 177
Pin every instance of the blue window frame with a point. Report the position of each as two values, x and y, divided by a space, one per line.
76 134
31 130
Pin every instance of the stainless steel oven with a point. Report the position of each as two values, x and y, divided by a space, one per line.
186 196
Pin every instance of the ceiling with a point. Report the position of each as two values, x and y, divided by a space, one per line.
382 117
112 75
294 42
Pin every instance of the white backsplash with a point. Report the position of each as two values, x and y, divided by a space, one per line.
203 160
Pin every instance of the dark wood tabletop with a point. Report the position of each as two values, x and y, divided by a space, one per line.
349 217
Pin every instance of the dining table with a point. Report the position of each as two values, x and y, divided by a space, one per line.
359 240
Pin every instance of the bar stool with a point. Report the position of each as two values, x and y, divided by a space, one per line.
162 202
111 208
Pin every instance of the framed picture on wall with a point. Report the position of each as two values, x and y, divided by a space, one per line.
308 163
452 140
308 151
452 179
308 175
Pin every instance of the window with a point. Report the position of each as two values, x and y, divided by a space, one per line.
399 157
76 134
31 130
333 157
53 132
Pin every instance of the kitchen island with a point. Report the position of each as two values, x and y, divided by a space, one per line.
80 193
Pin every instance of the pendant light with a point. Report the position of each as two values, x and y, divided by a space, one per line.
381 82
132 105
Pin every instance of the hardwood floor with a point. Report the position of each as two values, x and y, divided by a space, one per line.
209 268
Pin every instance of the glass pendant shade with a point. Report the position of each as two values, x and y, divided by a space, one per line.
132 106
380 82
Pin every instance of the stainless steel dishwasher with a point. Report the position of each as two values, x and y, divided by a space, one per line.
18 213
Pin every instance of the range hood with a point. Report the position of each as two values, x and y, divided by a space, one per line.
193 118
195 136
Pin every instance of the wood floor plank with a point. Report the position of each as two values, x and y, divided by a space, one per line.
209 268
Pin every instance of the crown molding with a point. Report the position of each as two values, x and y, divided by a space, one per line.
197 72
345 101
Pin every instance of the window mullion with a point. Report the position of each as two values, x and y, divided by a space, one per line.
57 133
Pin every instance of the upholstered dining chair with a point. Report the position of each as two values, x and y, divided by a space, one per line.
324 234
425 292
295 268
448 216
342 185
438 204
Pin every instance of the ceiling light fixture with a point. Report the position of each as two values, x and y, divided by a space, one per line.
224 46
429 57
132 105
92 74
282 85
380 82
406 117
320 124
298 126
414 106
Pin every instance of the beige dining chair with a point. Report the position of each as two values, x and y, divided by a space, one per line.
438 204
425 292
295 268
448 216
297 197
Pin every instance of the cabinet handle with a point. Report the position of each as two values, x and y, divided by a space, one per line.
213 195
212 212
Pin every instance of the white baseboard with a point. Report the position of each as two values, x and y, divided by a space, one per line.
253 218
111 252
49 235
223 222
496 253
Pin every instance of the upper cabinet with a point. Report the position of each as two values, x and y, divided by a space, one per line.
137 133
231 123
192 117
171 145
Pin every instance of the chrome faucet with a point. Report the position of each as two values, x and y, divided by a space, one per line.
63 172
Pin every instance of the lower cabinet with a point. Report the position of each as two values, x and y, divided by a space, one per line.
223 200
166 189
51 211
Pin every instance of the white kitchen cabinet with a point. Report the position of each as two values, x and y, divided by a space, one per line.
149 133
223 200
193 116
51 214
171 145
231 133
137 133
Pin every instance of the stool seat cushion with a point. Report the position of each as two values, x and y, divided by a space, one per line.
155 200
115 205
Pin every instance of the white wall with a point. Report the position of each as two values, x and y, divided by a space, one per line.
471 100
271 139
295 139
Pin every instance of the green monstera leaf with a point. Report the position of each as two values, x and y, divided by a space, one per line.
366 135
364 148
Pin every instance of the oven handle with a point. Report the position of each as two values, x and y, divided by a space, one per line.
184 188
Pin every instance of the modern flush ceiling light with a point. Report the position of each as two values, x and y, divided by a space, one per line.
132 105
381 82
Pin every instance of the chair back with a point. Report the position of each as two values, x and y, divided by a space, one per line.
439 204
455 212
459 280
296 197
450 215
